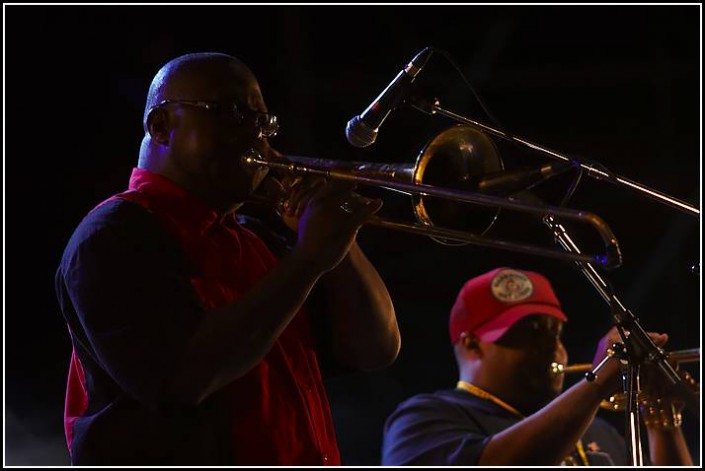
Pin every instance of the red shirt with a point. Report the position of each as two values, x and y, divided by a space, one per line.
279 410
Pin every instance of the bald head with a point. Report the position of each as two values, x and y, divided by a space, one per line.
197 76
197 138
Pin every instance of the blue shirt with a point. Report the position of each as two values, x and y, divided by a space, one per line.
452 427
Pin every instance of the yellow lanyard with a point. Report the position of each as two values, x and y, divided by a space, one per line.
482 394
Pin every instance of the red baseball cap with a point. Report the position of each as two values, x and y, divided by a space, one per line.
490 304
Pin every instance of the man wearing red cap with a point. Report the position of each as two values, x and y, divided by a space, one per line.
507 408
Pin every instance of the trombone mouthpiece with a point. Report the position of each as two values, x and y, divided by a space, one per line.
557 368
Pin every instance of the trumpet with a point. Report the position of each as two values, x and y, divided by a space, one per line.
452 158
677 356
617 402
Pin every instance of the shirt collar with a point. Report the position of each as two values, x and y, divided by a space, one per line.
174 200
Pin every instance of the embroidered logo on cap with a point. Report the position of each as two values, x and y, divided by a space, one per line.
510 286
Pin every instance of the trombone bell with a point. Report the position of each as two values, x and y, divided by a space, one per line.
456 158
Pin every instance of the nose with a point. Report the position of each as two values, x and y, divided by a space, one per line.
552 344
561 355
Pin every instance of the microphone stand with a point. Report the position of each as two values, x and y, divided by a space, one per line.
434 107
630 384
638 346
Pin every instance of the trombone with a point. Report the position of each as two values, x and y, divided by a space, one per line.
458 154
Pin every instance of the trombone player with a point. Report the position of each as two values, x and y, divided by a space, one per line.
191 341
508 407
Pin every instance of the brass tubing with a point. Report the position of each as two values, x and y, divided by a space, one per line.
344 171
678 356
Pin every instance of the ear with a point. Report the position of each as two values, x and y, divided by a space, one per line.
159 125
471 342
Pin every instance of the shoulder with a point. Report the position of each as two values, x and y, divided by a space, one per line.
435 397
449 397
115 224
433 429
438 403
464 412
115 213
421 411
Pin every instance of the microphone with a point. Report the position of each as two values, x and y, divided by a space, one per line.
361 131
508 182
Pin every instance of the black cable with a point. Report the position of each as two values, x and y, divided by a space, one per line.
456 66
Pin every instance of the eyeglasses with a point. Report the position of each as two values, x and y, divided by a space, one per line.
267 124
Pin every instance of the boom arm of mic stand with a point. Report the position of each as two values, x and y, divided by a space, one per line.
642 347
435 108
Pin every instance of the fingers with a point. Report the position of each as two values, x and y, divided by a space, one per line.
326 194
658 339
335 192
290 181
274 189
362 208
331 199
613 337
301 192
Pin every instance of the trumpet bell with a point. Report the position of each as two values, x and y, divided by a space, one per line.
456 158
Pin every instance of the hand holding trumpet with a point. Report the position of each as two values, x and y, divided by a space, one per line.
660 408
608 376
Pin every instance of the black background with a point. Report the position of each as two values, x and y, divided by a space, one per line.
619 85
